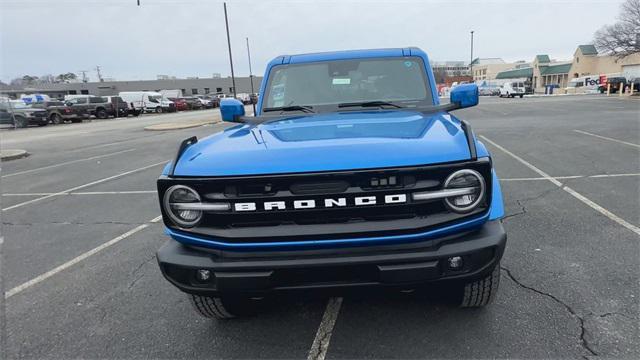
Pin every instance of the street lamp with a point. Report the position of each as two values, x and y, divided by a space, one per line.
233 77
471 62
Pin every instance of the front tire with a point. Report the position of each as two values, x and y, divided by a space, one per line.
481 292
56 119
226 307
521 96
102 114
158 110
21 122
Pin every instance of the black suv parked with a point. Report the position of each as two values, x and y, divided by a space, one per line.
21 115
58 112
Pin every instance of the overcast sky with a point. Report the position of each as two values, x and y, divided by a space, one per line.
187 37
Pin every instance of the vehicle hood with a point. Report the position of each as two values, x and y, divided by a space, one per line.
328 142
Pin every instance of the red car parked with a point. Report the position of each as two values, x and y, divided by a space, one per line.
181 104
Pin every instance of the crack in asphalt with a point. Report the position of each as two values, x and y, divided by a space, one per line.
613 313
137 269
583 341
523 210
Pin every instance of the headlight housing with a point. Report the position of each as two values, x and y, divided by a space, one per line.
465 179
176 200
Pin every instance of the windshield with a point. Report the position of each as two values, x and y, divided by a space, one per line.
325 85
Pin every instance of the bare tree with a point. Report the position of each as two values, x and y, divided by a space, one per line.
622 38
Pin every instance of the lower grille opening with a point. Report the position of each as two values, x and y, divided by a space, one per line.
326 275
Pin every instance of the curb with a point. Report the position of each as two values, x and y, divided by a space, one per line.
13 154
177 126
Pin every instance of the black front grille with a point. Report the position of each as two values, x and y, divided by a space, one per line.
322 222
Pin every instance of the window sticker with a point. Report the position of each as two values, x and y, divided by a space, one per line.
341 81
408 63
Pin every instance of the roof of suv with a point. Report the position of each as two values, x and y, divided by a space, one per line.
349 54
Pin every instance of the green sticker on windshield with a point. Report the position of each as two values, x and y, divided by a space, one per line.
341 81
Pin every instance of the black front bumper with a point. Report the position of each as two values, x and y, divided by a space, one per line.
400 265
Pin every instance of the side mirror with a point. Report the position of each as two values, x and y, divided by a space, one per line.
231 109
465 95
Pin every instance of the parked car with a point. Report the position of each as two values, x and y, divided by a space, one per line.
206 103
244 97
304 195
617 83
180 104
118 107
19 114
97 106
58 112
193 102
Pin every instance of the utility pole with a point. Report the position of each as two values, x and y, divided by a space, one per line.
471 62
251 79
233 77
99 75
84 75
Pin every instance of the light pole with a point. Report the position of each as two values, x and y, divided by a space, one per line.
251 79
471 62
233 77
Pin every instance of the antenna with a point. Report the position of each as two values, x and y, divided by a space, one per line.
233 77
251 79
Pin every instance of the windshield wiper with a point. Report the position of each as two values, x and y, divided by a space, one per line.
303 108
370 104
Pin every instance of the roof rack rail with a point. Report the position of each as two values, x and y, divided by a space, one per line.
183 146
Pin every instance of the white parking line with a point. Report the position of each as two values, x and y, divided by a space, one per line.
65 192
572 192
40 278
570 177
129 192
67 163
320 344
608 138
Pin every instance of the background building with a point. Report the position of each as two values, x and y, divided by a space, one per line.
488 68
188 86
586 61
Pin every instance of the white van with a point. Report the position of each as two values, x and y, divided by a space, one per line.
513 89
147 101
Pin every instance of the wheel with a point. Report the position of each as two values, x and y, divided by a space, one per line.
158 110
480 292
21 122
75 121
227 307
521 96
56 119
102 114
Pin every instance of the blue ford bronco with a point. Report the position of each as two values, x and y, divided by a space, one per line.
351 174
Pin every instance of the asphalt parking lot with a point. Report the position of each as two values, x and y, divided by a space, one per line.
80 220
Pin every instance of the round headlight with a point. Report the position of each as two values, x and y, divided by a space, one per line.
176 200
465 179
